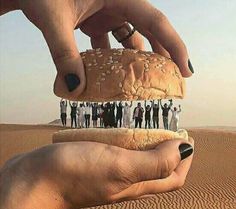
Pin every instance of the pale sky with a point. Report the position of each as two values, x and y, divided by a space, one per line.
207 27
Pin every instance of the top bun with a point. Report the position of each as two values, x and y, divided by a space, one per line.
126 74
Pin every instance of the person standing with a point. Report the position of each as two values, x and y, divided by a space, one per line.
112 115
80 112
119 114
106 109
126 118
95 114
101 114
165 113
148 109
87 114
63 110
174 122
155 114
73 112
138 115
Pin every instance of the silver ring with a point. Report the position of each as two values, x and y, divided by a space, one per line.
123 32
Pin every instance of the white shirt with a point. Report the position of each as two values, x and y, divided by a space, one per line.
175 114
87 110
80 110
63 108
126 110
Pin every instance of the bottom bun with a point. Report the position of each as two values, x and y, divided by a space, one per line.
133 139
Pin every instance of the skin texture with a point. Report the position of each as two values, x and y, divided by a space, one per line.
83 174
57 19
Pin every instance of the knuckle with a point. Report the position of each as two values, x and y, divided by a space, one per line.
159 16
64 55
179 183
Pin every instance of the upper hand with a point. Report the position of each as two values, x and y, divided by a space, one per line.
57 19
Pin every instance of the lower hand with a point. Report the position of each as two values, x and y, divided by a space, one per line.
83 174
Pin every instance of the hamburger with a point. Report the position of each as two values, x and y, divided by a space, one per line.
127 75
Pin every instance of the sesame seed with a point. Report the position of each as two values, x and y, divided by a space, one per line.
117 71
103 79
112 67
108 72
98 83
103 74
89 64
120 85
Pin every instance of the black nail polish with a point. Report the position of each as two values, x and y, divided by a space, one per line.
185 150
72 81
190 66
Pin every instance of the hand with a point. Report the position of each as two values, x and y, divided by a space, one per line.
58 19
83 174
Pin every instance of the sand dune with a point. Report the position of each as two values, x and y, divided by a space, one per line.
211 183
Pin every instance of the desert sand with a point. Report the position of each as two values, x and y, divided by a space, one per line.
211 182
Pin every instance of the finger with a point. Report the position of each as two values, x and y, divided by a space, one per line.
147 18
141 189
158 163
100 41
128 37
134 42
156 46
70 79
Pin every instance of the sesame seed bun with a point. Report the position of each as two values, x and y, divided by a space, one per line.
126 74
133 139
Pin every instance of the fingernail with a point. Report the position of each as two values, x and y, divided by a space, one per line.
72 81
190 66
185 150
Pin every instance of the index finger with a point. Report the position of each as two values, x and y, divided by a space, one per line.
147 18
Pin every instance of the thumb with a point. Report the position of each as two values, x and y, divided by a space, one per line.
160 162
70 80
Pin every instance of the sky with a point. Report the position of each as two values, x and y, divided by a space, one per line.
208 29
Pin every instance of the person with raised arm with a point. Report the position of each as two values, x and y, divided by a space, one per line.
119 114
95 114
73 113
165 113
148 109
127 113
81 118
63 110
174 122
155 114
87 114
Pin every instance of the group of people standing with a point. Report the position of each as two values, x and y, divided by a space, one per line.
111 114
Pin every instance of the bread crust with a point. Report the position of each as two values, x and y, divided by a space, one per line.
133 139
126 74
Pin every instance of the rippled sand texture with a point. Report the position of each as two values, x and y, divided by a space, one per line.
211 183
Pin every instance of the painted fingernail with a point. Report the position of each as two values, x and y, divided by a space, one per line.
72 81
190 66
185 150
